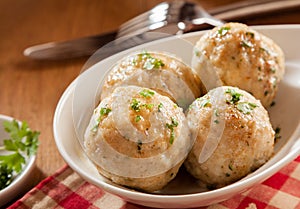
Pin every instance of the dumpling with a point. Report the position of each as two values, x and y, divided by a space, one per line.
159 71
138 138
233 135
236 55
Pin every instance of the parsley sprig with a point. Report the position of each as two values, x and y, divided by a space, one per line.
23 142
150 62
171 126
244 107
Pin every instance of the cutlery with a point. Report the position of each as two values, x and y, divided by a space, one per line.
168 18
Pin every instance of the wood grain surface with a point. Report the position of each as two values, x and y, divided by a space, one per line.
30 90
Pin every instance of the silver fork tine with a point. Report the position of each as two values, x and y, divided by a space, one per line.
141 25
160 7
135 20
141 22
167 15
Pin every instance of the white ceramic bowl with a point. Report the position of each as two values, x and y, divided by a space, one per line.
22 182
76 106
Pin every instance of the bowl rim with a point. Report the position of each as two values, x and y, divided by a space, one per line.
294 152
292 146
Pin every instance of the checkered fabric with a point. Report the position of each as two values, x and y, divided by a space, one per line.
66 189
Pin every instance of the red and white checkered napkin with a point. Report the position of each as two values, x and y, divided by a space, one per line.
65 189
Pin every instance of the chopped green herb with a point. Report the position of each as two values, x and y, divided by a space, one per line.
235 96
172 137
135 105
150 62
22 142
250 34
223 31
204 102
138 118
273 69
272 104
245 44
149 106
147 93
171 126
104 111
246 107
153 63
197 52
263 50
139 145
217 112
277 133
266 93
6 176
159 107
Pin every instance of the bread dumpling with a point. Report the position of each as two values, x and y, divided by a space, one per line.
138 138
236 55
233 135
159 71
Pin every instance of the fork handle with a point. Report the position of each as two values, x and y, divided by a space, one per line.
248 8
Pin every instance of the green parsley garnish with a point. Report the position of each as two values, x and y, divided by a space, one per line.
245 44
261 49
171 126
266 93
6 176
204 102
235 96
277 133
138 118
250 34
149 106
246 107
23 142
272 104
139 145
159 107
146 93
273 69
223 31
217 114
153 63
104 111
135 105
197 52
150 62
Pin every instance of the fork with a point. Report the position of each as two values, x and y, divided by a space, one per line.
168 17
171 18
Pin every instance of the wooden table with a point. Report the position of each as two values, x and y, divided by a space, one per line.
31 89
